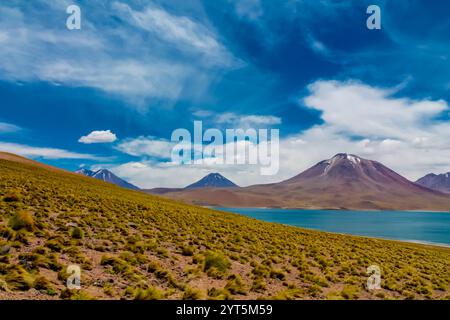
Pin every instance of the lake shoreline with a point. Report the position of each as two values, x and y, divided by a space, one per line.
424 228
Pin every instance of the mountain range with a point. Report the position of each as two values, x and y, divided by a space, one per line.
344 181
107 176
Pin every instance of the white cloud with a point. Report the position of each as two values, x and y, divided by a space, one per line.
7 127
46 153
246 121
130 62
180 31
146 146
100 136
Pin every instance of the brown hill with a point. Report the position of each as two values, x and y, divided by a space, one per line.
343 182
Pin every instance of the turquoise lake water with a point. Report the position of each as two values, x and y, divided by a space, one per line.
423 227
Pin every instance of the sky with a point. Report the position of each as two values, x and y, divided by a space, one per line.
111 94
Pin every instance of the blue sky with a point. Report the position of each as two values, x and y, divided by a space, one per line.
142 69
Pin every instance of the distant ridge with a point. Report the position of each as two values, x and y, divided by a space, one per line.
107 176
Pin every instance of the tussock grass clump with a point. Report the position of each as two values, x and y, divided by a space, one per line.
12 196
68 294
22 220
150 293
235 285
118 265
77 233
187 251
17 278
192 294
215 264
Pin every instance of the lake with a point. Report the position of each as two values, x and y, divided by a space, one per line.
422 227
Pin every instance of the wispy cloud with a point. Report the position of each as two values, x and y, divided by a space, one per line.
238 120
8 127
246 120
180 31
46 153
131 61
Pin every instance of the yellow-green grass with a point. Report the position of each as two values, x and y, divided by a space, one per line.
137 246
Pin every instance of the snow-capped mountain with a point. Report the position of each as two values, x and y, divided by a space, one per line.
439 182
212 180
107 176
85 172
344 181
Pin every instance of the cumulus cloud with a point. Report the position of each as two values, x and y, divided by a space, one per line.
46 153
100 136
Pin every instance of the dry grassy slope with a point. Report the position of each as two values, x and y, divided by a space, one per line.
137 246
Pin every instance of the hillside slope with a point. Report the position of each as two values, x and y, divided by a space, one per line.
342 182
137 246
